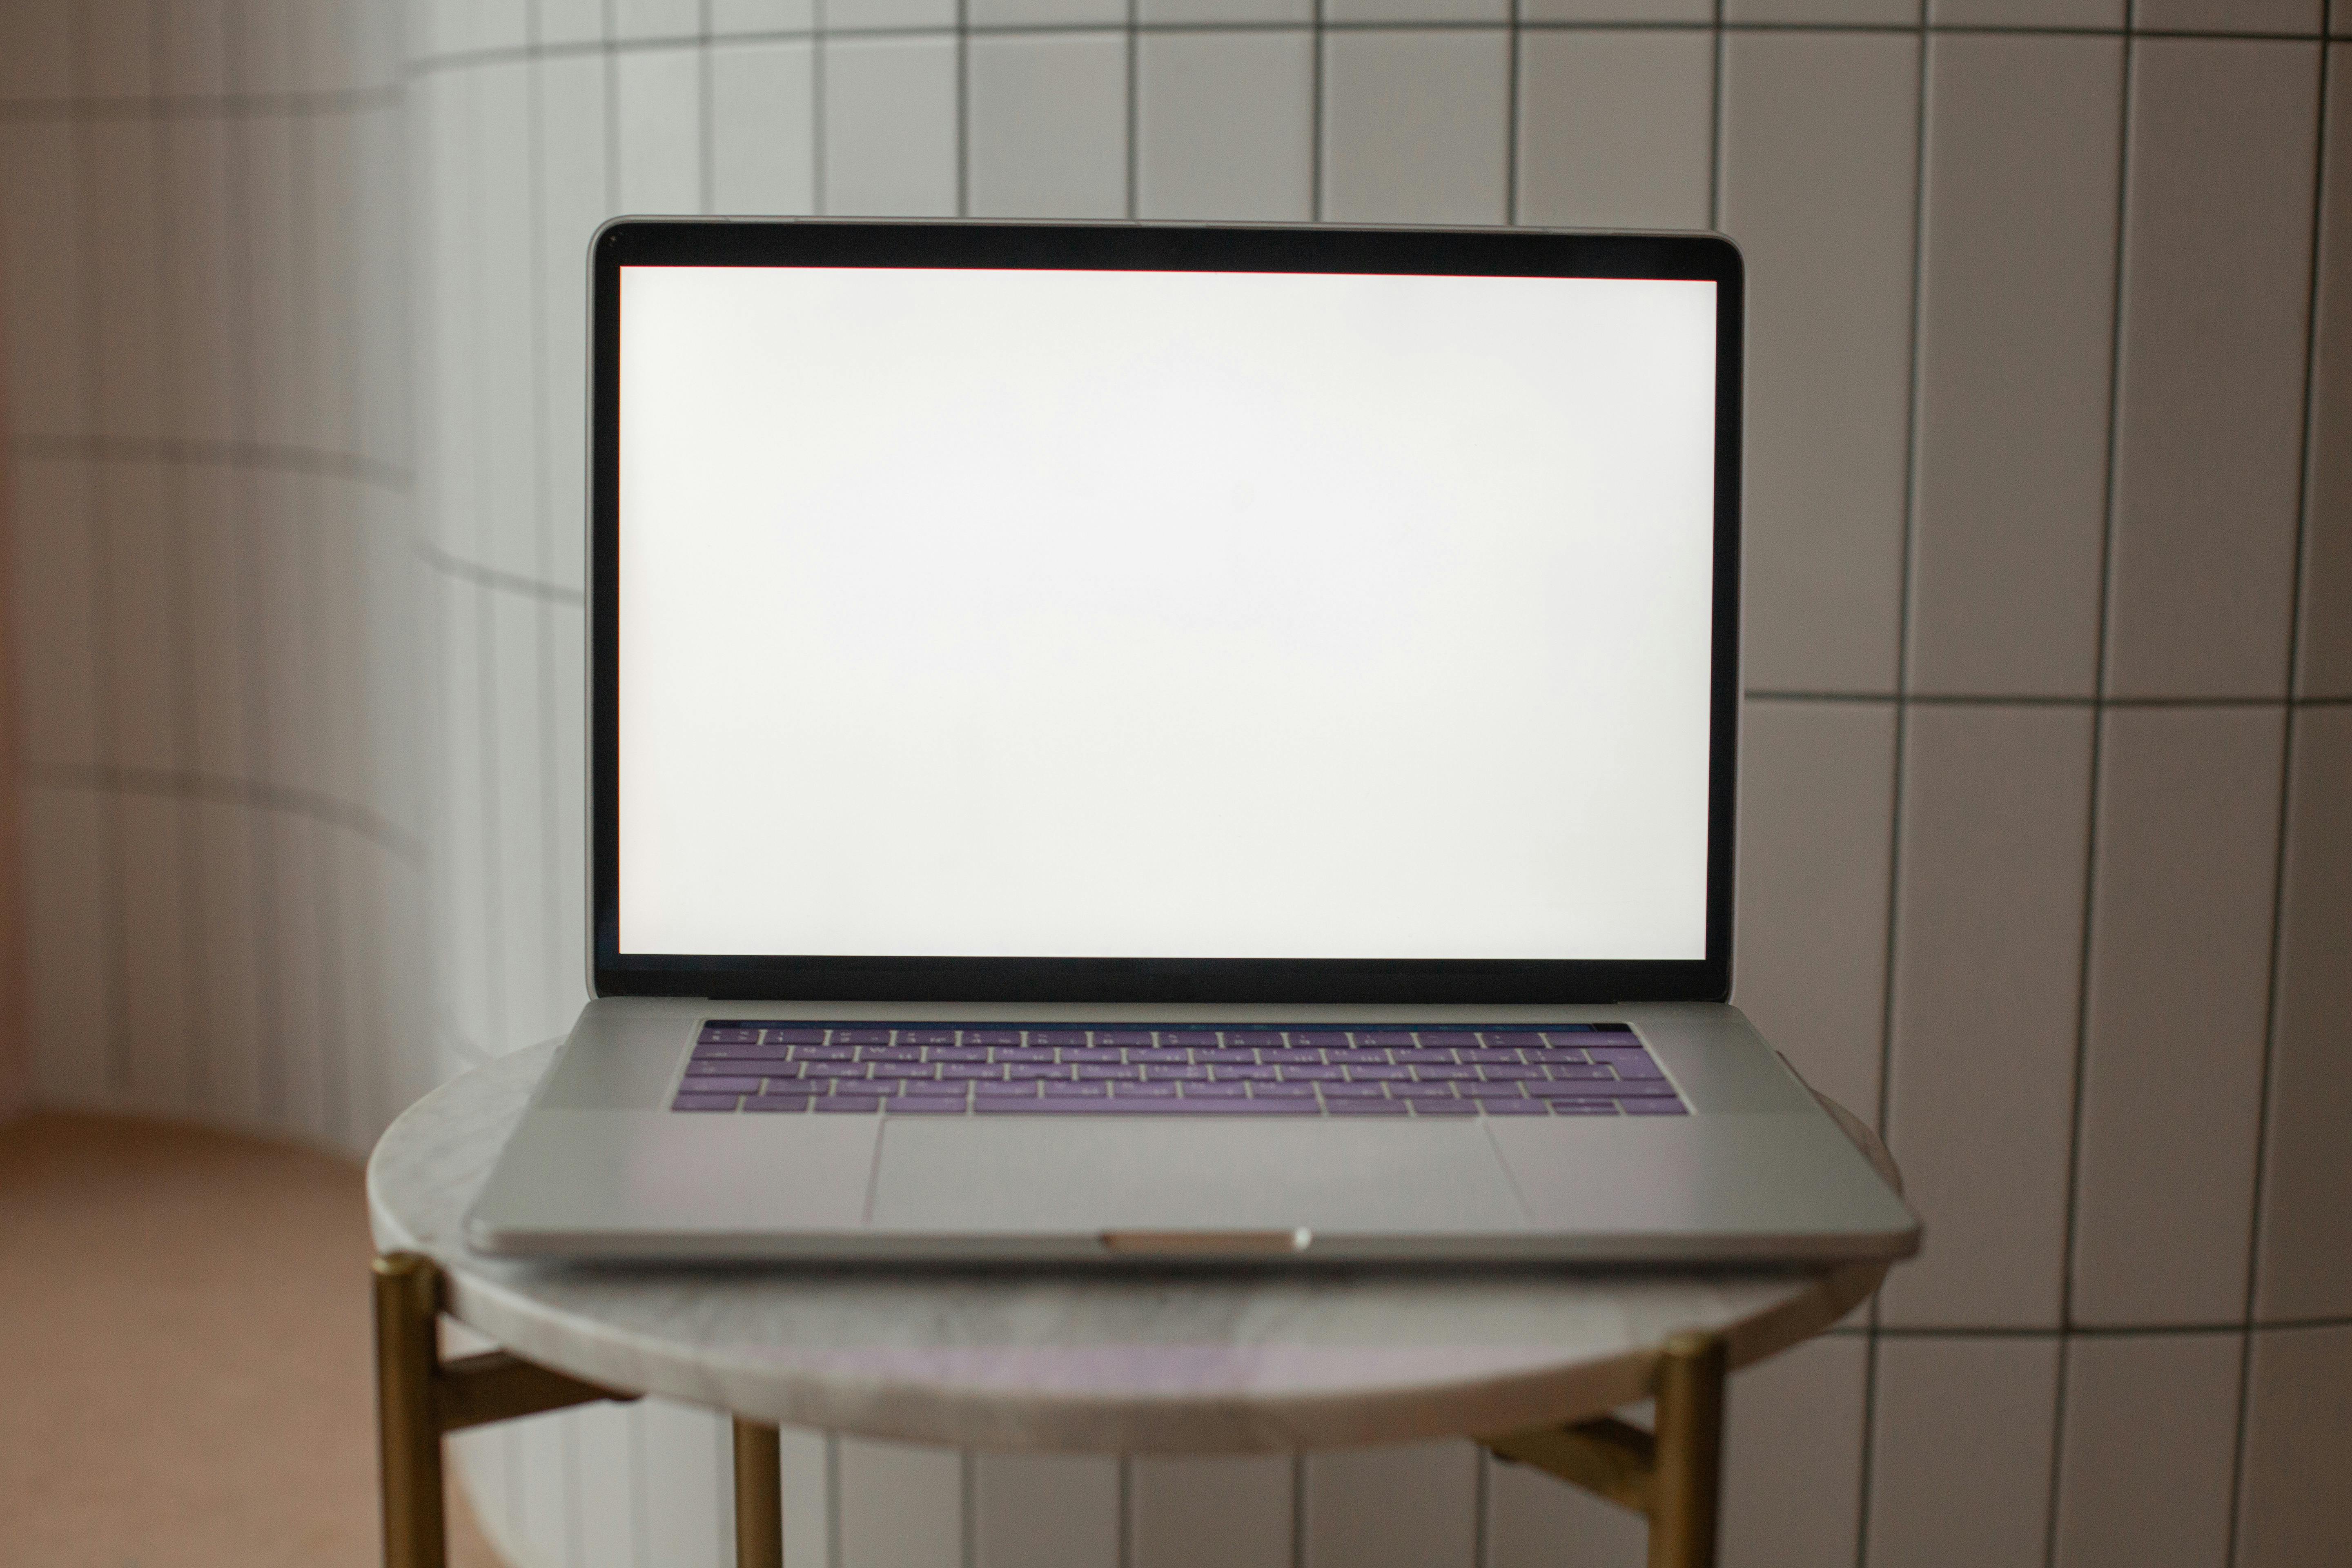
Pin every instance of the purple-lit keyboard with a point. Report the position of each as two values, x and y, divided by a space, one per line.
1566 1070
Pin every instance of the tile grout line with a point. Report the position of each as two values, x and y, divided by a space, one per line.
2108 510
1905 589
1513 64
542 457
2279 863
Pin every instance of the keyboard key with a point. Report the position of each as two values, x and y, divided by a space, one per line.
1300 1059
1319 1039
703 1102
991 1037
937 1105
1382 1107
1175 1075
889 1054
1578 1090
927 1036
1513 1107
733 1069
714 1035
1382 1037
1148 1107
1241 1074
824 1054
1484 1054
1022 1072
1024 1090
1123 1037
1076 1090
1142 1090
1422 1090
1057 1036
1420 1057
905 1069
1572 1072
835 1069
741 1053
777 1102
1629 1064
1282 1091
1356 1058
1019 1053
1511 1074
1654 1107
959 1070
954 1053
724 1085
1443 1074
1259 1037
794 1037
1095 1055
1093 1074
1447 1040
1491 1090
846 1102
1556 1056
1381 1074
1444 1108
933 1088
861 1037
1160 1055
1354 1092
1645 1087
1312 1075
1224 1054
1514 1040
1582 1107
1215 1091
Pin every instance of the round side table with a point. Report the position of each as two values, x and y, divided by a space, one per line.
1528 1363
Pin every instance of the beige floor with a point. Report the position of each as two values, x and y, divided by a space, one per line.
184 1352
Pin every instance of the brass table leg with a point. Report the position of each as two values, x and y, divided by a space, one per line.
1673 1475
420 1399
759 1497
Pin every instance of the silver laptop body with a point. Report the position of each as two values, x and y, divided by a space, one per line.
1130 743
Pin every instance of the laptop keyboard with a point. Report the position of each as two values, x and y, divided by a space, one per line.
945 1070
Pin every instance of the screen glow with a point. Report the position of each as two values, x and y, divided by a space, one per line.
1178 615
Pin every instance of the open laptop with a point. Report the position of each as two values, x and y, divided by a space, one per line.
1132 742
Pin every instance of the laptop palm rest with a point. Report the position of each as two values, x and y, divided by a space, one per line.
1132 1174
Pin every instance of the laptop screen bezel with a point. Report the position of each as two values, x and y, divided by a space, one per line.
1130 246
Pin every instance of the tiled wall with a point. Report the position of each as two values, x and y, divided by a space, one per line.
204 271
2047 859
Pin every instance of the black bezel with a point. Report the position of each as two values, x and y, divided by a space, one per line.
638 242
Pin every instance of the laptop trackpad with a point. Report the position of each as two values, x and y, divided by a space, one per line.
1061 1174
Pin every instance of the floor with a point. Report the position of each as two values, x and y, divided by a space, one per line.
184 1352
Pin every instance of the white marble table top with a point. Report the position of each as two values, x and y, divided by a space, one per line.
1136 1364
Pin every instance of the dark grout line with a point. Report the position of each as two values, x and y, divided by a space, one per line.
2087 1331
266 456
2274 999
221 789
508 53
2023 700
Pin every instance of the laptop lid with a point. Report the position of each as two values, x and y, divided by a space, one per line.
1065 613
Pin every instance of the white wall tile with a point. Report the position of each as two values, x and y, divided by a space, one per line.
2179 977
262 158
539 1487
389 253
220 675
1875 12
461 847
2016 348
295 1085
1224 124
2217 275
227 928
1793 1458
657 100
446 374
1045 13
114 48
40 281
1233 1511
634 19
1961 1448
36 50
260 46
51 605
199 301
66 935
2230 15
521 805
2144 1470
2324 666
807 1457
1360 11
1415 126
1536 1521
2027 13
136 551
763 129
1988 967
849 14
1617 10
901 1506
569 681
1411 1506
118 203
331 265
1047 120
155 936
465 26
611 1485
730 19
505 532
890 127
1817 187
2298 1428
1816 804
572 202
686 1453
1613 129
2305 1269
1158 11
570 21
1034 1509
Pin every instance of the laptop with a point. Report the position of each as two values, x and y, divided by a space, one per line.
1128 743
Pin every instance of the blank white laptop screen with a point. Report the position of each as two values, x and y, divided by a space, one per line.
1163 614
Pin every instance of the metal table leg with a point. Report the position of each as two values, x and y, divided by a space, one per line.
759 1497
1673 1475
